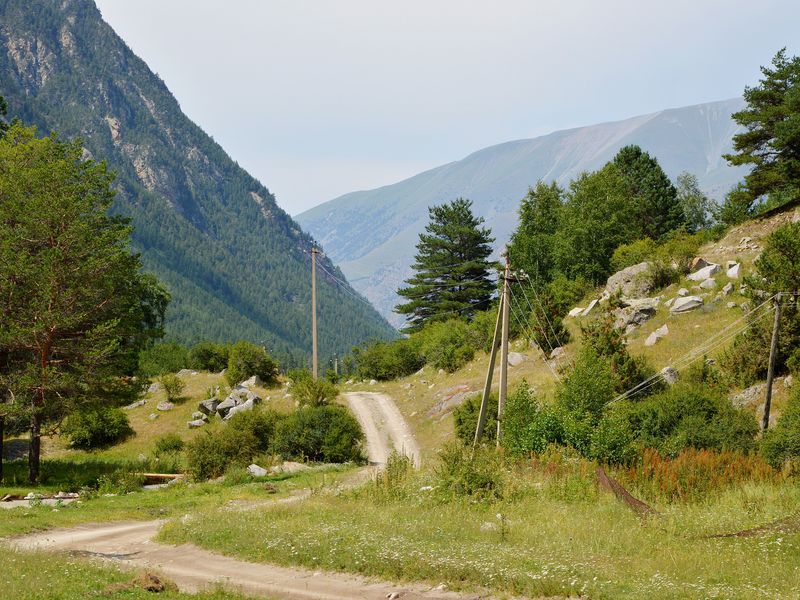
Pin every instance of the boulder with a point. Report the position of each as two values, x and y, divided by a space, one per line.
788 382
557 352
704 273
154 387
632 281
185 372
683 292
734 271
731 305
244 407
136 404
257 471
669 302
199 415
708 284
641 302
633 316
196 423
208 407
253 381
226 405
670 375
658 334
165 406
728 289
750 395
575 311
440 372
516 358
698 263
685 304
589 308
373 382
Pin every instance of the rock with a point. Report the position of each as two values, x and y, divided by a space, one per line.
153 416
349 382
734 271
698 263
658 334
728 289
154 387
441 372
557 352
631 281
749 396
253 381
704 273
244 407
708 284
641 302
669 302
257 471
670 375
575 311
185 372
199 415
516 358
288 467
788 382
420 372
372 382
633 316
683 292
731 305
730 263
136 404
165 406
196 423
226 405
208 407
589 308
685 304
696 289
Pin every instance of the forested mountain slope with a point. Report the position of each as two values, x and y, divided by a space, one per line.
371 234
236 264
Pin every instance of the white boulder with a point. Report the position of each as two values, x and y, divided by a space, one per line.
685 304
734 271
658 334
704 273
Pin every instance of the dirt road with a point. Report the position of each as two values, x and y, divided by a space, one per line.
384 427
130 546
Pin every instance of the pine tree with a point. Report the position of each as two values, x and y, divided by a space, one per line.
452 267
75 307
771 140
655 200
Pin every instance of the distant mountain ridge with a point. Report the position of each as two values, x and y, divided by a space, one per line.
236 264
372 233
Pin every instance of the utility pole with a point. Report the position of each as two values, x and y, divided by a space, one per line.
487 387
314 253
773 351
501 402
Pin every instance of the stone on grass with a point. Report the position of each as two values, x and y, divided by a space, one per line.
658 334
575 311
670 375
557 352
516 358
226 405
254 380
685 304
734 271
632 281
209 406
136 404
373 382
731 305
704 273
669 302
728 289
683 292
257 471
154 387
165 406
196 423
750 395
199 415
244 407
633 316
589 308
698 263
185 372
708 284
153 416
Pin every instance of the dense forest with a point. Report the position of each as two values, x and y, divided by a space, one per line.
236 265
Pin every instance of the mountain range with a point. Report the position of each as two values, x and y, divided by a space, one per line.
372 234
237 266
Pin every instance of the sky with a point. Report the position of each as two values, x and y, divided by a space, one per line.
320 98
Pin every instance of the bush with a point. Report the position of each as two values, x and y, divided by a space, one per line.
96 428
782 443
208 356
246 359
158 359
528 425
120 482
170 443
465 418
627 255
173 386
446 345
309 392
322 433
385 361
482 476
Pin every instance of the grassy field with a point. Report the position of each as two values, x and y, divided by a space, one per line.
554 537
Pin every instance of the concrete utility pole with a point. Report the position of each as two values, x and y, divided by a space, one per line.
501 401
314 365
773 351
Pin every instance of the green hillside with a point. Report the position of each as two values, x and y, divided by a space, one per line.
236 264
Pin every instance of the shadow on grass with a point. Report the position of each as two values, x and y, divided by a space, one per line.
65 474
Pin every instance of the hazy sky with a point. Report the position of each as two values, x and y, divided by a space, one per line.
320 98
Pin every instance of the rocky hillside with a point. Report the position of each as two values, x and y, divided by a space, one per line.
236 264
371 234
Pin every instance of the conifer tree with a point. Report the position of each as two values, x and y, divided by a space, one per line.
452 267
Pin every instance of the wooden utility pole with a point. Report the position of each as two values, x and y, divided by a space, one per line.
314 253
773 351
501 401
487 387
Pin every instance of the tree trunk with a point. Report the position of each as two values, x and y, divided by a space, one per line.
34 448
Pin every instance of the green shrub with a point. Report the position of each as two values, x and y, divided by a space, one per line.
627 255
173 386
208 356
309 392
465 418
529 426
158 359
385 361
782 443
170 443
446 345
482 476
321 433
120 482
246 359
96 428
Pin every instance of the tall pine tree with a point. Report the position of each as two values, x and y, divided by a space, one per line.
452 267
